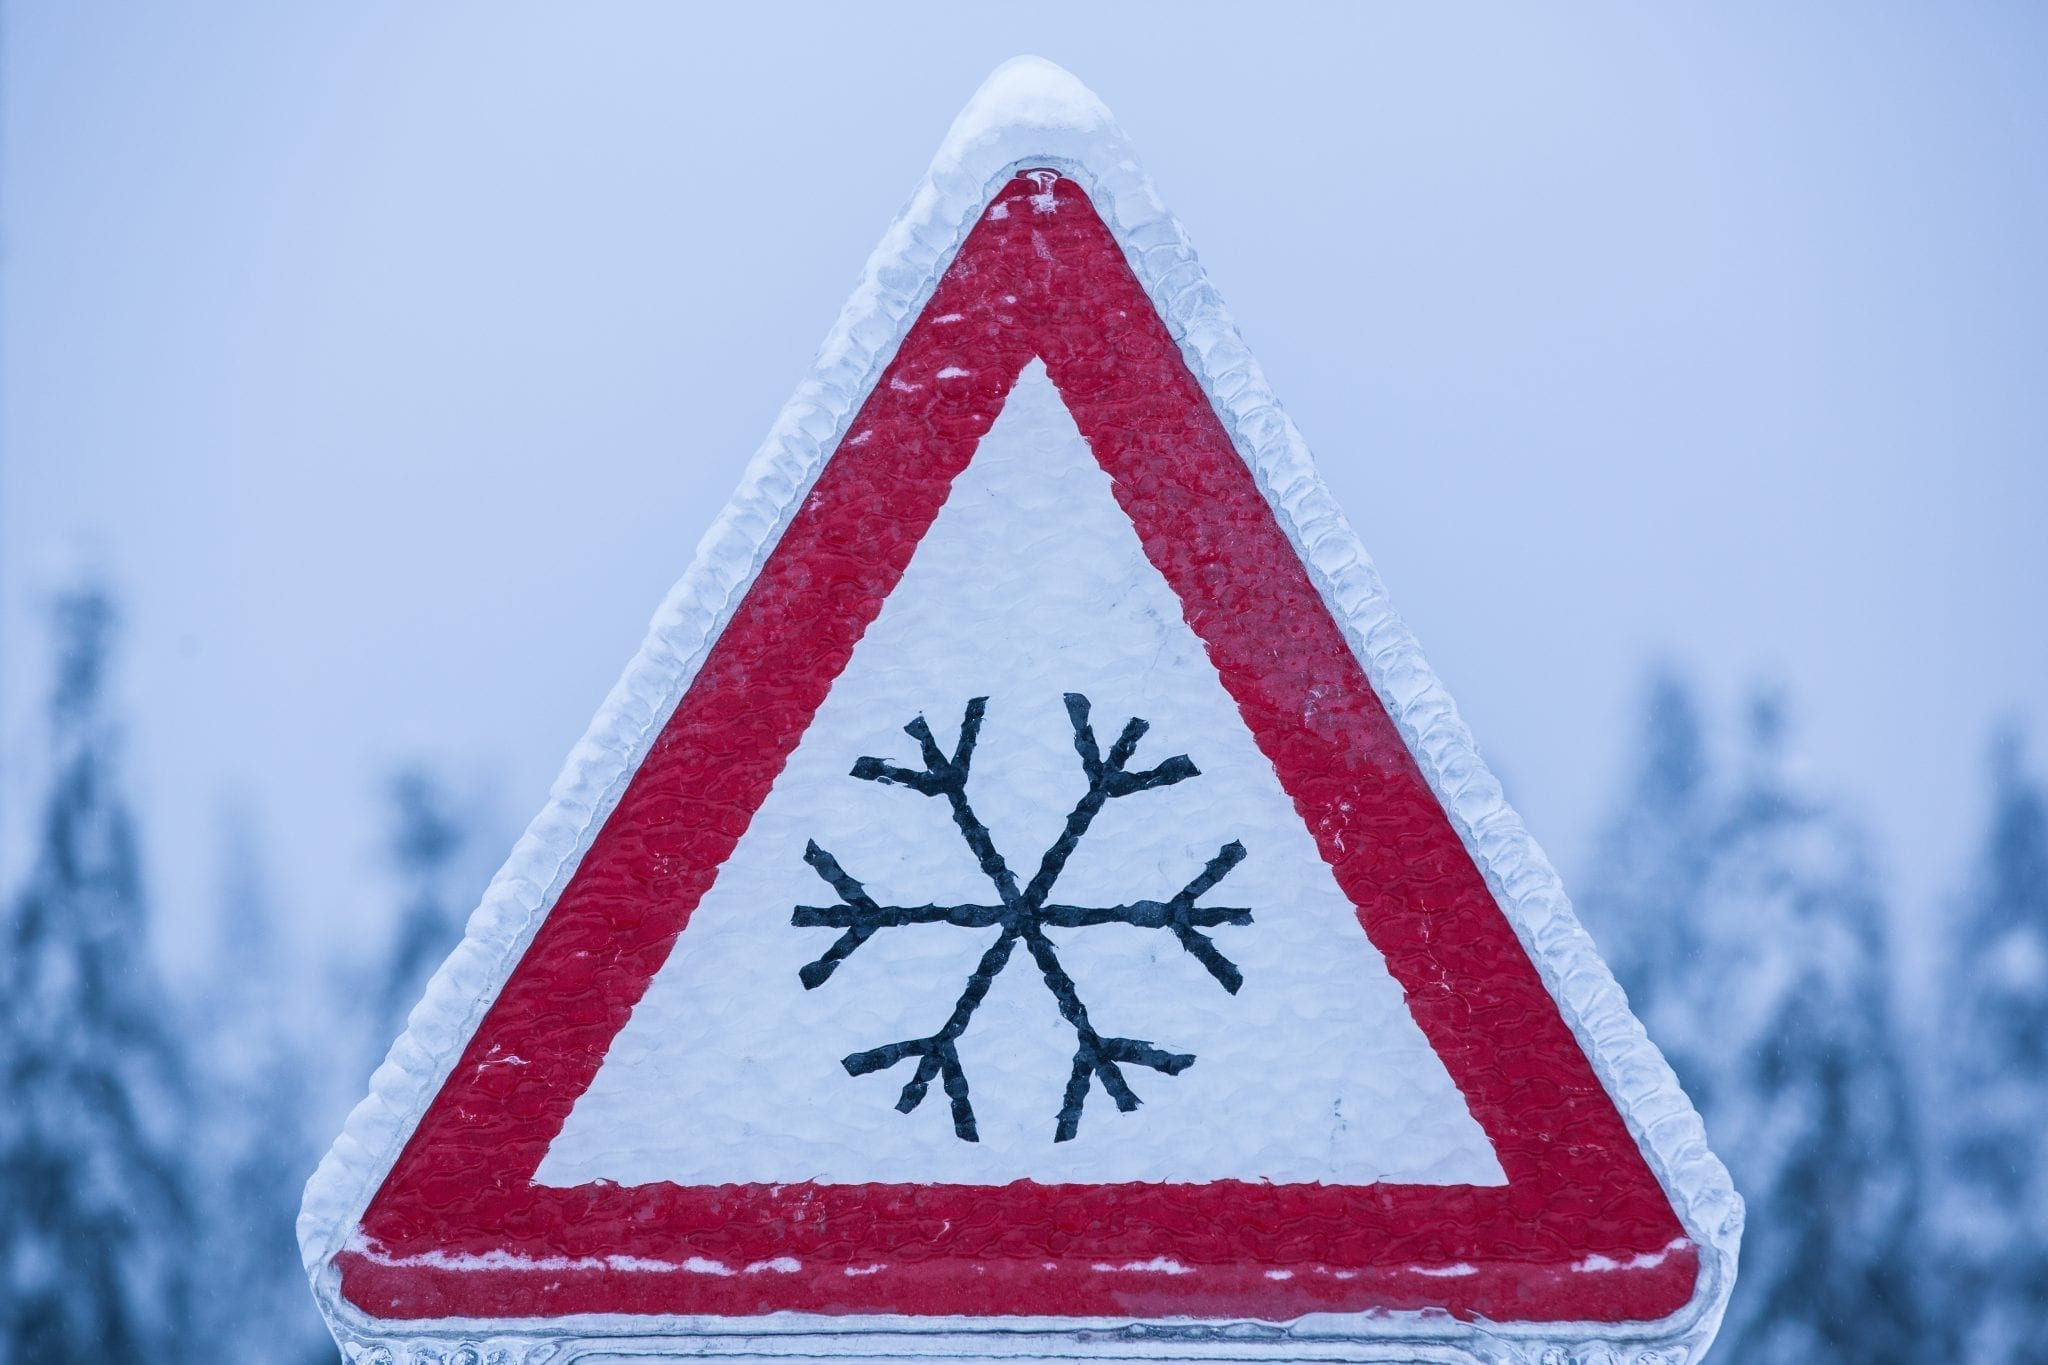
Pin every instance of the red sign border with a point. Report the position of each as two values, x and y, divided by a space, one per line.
1582 1231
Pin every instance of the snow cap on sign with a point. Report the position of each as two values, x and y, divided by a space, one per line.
1021 110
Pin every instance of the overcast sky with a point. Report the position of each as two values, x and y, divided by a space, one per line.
392 359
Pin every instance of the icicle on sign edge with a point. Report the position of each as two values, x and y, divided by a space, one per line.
1031 114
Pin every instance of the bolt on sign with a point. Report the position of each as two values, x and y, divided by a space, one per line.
1028 898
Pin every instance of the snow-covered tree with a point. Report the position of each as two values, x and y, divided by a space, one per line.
1992 1207
1744 918
96 1221
428 836
254 1305
1653 857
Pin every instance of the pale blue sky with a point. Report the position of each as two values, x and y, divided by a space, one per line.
392 358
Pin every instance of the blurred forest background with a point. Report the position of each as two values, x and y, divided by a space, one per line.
388 357
157 1132
1893 1165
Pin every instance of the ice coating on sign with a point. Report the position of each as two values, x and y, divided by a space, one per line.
1030 584
421 1228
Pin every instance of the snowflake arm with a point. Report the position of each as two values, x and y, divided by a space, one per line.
948 777
1094 1055
869 916
1182 917
1139 914
939 1056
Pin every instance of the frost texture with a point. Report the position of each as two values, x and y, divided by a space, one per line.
1371 1102
1024 916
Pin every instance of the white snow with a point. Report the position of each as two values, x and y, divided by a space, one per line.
1642 1260
1158 1265
1022 102
505 1260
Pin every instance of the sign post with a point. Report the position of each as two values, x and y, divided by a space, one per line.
1028 898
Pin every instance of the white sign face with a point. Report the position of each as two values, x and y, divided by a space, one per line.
1028 898
730 1070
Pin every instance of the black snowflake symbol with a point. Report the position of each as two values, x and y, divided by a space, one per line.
1023 915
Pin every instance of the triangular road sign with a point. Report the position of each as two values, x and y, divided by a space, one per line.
1029 895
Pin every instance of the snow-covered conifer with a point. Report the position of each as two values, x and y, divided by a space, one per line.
1992 1206
254 1306
1642 904
428 836
1805 1080
1745 921
95 1215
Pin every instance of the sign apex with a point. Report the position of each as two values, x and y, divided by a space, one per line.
1027 107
